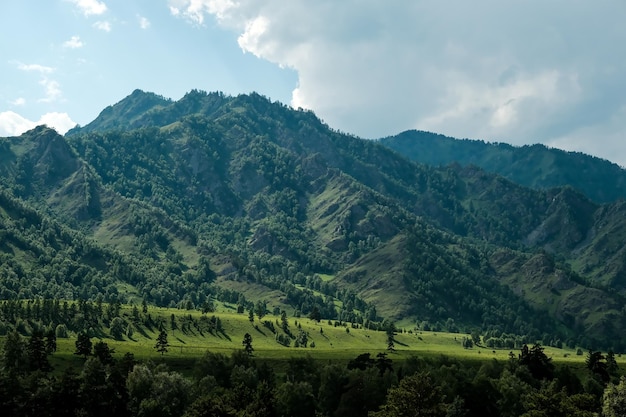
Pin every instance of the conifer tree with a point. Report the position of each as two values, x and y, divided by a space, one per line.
161 343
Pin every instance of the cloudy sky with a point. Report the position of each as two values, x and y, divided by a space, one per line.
517 71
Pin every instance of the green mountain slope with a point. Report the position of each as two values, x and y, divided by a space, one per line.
535 166
244 200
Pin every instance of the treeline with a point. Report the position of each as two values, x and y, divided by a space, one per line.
526 385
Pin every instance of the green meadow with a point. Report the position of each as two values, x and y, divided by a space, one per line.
326 341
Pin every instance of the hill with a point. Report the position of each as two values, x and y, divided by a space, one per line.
246 201
535 166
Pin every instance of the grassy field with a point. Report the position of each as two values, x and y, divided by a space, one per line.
326 342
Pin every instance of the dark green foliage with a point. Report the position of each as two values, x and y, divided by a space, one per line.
596 363
118 327
162 344
83 345
38 353
247 344
416 395
50 341
390 330
537 362
14 358
103 352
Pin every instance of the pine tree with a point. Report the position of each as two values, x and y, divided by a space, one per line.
51 341
83 345
162 343
247 344
37 355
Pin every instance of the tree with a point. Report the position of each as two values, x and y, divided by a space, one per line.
383 363
208 307
614 399
51 341
117 328
260 309
102 351
247 343
284 322
416 395
37 354
162 343
315 314
611 363
539 365
83 345
550 401
295 399
595 363
14 358
391 333
251 315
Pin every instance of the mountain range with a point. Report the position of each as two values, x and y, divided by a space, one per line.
244 200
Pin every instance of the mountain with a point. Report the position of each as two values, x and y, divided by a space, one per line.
244 200
535 166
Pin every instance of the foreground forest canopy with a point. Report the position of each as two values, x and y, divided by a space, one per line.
101 382
242 200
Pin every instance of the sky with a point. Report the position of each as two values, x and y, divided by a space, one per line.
512 71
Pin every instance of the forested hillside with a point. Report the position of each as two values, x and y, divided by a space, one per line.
244 200
535 166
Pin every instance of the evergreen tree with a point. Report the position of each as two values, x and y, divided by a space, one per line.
260 309
37 354
51 341
539 365
595 362
247 343
102 351
83 345
161 343
391 333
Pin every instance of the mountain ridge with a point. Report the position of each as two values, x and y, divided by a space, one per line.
536 166
248 194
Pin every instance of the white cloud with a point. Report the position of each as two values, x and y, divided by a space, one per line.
194 10
52 90
73 43
42 69
103 25
61 122
89 7
20 101
13 124
520 72
144 23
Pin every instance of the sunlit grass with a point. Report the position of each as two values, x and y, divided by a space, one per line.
331 342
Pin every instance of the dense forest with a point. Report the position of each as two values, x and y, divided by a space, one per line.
240 199
528 384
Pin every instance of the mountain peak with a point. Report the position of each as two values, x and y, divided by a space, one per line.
125 113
